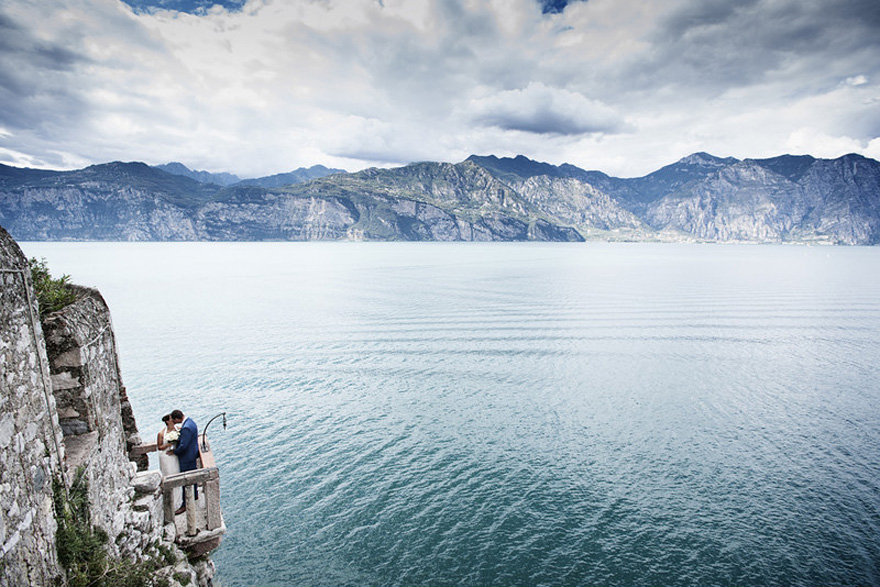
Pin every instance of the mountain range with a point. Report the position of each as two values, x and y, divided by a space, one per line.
273 181
700 198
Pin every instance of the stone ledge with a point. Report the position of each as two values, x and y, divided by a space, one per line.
203 542
147 482
78 448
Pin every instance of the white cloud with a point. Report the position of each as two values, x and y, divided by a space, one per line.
873 149
856 81
617 85
810 141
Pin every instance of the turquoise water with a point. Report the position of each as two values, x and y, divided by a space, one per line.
516 414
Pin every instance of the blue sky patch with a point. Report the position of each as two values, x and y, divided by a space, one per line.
197 6
190 6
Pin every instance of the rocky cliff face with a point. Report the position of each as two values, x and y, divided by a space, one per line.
775 200
117 201
436 201
701 197
741 202
259 214
577 203
843 199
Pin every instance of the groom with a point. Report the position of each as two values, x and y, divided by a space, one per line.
187 449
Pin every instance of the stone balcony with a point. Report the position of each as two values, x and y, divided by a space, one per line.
200 528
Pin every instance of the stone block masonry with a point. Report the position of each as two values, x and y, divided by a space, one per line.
30 448
87 385
63 408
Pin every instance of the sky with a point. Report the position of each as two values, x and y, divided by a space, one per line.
258 87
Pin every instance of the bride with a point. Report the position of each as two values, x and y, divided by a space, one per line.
168 464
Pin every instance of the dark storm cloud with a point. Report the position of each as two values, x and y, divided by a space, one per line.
541 121
540 109
15 39
711 46
34 78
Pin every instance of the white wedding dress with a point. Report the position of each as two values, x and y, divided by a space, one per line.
170 465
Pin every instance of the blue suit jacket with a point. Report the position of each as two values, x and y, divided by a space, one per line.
187 449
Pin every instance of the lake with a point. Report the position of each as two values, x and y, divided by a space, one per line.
516 413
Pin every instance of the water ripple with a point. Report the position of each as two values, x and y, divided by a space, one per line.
405 414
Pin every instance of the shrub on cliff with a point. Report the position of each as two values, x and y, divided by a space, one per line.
52 293
81 546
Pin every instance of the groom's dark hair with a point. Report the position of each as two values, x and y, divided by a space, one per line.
177 415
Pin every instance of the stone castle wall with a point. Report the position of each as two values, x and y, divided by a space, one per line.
30 447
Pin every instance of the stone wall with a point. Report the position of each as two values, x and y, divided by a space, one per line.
73 373
79 340
87 385
30 448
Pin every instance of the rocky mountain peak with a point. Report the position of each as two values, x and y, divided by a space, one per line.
300 175
519 167
792 167
130 168
177 168
703 159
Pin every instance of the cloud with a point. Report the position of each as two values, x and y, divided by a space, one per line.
811 141
712 46
261 87
856 81
378 142
34 78
543 110
873 149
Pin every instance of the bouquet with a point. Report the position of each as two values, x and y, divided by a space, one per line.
172 436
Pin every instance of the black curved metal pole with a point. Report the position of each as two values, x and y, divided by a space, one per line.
205 431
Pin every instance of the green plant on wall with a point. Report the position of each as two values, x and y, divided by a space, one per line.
52 293
81 546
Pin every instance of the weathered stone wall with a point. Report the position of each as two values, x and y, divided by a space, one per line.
73 372
85 378
29 431
82 353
